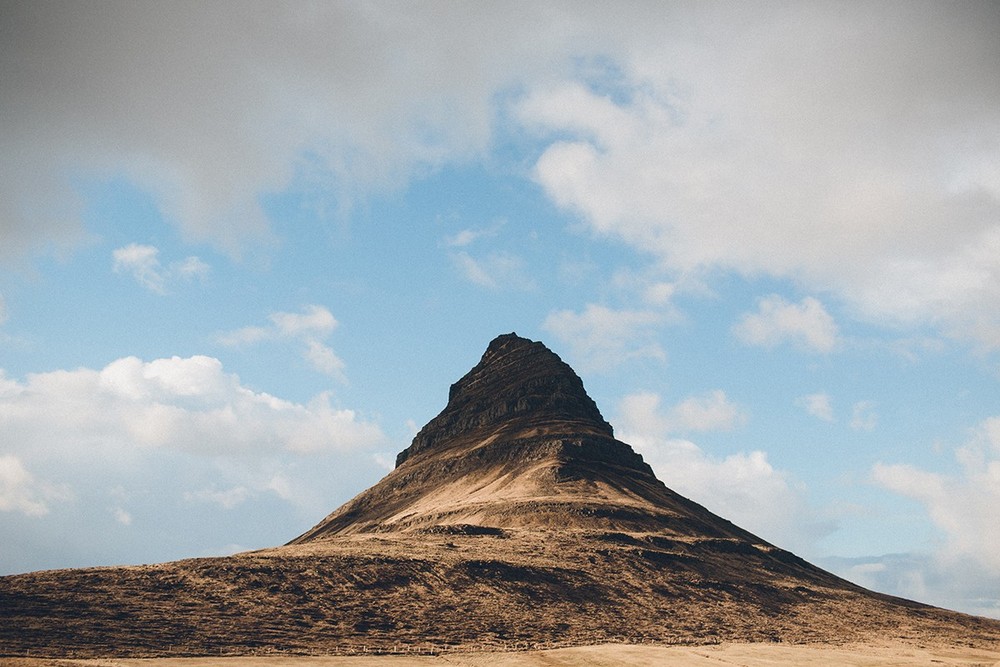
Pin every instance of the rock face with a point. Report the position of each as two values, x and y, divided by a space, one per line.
514 519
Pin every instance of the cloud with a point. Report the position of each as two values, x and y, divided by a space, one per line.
710 412
818 405
963 585
467 237
176 449
209 107
712 150
806 324
226 498
692 143
122 516
863 416
601 337
309 327
743 487
142 262
495 271
188 405
20 491
962 505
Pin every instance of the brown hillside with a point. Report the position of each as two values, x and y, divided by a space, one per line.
513 519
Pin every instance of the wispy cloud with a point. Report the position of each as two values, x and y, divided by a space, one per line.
806 324
712 411
863 416
495 270
309 328
602 337
142 263
468 236
818 405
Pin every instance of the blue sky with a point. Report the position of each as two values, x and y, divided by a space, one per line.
245 249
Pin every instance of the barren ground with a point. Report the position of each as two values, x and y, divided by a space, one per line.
896 654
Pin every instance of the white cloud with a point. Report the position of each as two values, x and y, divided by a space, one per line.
324 359
122 516
806 324
818 405
743 487
710 412
208 107
143 263
313 321
495 271
962 505
696 144
140 261
715 151
863 416
959 584
309 328
601 337
225 498
467 237
186 405
19 490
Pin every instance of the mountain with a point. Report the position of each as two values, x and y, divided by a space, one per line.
521 445
514 518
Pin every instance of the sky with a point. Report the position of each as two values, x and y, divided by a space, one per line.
245 248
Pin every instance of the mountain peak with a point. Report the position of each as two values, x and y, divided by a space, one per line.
519 384
520 444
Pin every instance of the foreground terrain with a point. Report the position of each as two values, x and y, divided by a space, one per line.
608 655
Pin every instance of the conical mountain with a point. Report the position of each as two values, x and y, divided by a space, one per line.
521 444
514 519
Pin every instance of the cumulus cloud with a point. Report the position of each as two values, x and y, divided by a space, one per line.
188 405
743 487
309 328
962 505
20 491
177 450
818 405
806 324
714 150
602 337
142 263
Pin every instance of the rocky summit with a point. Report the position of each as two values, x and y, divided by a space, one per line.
514 519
